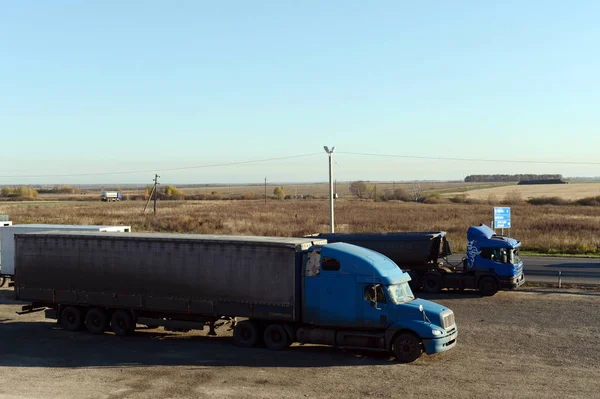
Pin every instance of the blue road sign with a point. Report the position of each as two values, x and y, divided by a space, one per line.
502 218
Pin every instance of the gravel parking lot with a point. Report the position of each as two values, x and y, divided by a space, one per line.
534 343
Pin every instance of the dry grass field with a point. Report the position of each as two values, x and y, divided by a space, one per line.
571 191
317 190
544 229
342 188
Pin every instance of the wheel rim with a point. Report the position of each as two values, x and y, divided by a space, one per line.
487 285
246 334
276 336
407 349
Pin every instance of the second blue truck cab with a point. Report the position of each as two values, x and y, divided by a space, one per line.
496 255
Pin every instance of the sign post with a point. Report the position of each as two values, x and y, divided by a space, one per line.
502 218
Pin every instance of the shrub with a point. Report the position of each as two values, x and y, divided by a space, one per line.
512 198
432 199
173 193
402 195
589 201
459 199
548 201
19 192
279 193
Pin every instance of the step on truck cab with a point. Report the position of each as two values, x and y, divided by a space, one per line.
274 290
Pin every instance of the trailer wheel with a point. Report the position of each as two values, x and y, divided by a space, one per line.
407 347
432 282
70 318
96 320
276 337
245 334
122 323
488 285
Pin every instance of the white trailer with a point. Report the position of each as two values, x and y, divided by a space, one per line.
7 240
110 196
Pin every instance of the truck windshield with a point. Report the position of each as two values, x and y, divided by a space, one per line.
514 256
400 293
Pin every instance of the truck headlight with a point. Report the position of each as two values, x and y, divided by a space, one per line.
436 333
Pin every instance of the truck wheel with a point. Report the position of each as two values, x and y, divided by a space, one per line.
245 334
407 347
96 320
276 338
70 318
488 286
432 282
122 323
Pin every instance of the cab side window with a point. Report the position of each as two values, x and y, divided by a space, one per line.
330 264
374 291
486 253
496 254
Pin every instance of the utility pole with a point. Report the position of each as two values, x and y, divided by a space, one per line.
265 191
153 192
330 154
156 183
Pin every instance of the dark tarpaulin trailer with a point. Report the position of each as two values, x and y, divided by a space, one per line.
197 274
407 249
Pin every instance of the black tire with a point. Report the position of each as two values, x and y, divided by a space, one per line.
407 347
488 286
70 318
276 337
432 282
122 323
246 334
97 320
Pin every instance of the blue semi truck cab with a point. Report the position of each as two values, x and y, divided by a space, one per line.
355 297
494 255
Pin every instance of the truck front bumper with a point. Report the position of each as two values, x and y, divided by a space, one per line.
513 283
437 345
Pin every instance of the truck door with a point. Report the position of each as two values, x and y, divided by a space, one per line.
374 305
329 298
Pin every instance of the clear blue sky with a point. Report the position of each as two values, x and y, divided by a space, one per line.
114 86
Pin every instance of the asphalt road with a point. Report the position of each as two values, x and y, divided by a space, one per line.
539 269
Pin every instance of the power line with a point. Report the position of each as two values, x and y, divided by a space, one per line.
469 159
165 170
303 156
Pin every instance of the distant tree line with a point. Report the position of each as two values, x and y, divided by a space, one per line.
509 178
21 192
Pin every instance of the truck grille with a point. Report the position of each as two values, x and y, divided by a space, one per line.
448 320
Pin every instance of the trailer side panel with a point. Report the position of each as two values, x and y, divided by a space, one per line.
198 276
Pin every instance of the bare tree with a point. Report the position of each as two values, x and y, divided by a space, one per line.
359 188
416 192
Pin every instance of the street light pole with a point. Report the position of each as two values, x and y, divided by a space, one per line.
330 154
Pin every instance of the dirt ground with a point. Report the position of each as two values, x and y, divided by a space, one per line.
534 343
